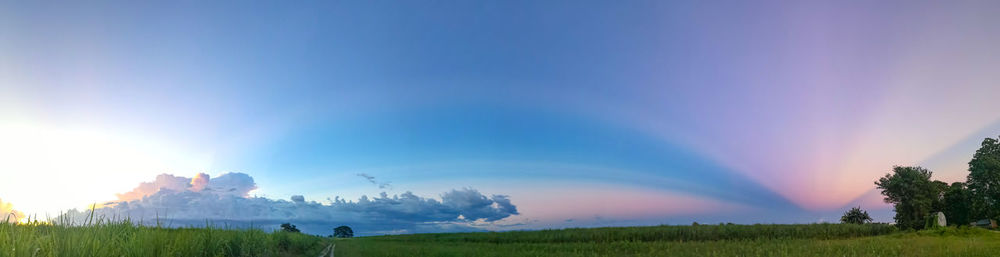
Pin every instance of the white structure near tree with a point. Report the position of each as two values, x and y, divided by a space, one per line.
941 221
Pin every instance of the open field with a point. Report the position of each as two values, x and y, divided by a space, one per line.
728 240
125 239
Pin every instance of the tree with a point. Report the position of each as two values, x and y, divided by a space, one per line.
343 232
939 189
957 207
288 227
856 216
983 181
912 194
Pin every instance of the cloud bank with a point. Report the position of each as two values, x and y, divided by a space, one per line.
179 201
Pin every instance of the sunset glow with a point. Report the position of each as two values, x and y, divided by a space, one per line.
91 164
530 115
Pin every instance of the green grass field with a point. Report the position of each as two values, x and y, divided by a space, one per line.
724 240
125 239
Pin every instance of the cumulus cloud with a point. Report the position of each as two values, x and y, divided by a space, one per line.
199 182
477 206
162 182
7 212
371 179
180 201
235 184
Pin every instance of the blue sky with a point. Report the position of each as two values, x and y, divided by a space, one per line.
664 112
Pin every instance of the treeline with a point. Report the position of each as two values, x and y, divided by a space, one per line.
915 196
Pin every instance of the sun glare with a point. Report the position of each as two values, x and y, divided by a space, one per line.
53 169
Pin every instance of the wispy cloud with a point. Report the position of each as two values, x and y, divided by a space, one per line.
370 178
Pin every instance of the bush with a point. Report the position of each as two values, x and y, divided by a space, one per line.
856 216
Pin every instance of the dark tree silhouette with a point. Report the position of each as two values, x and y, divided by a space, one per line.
939 189
984 180
343 232
912 194
288 227
956 204
856 216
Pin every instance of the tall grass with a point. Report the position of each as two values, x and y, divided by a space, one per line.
124 238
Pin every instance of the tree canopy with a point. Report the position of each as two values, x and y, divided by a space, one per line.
983 181
912 194
288 227
343 232
956 204
856 216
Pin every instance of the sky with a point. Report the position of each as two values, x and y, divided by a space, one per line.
488 115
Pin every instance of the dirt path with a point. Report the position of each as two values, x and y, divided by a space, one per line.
328 251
